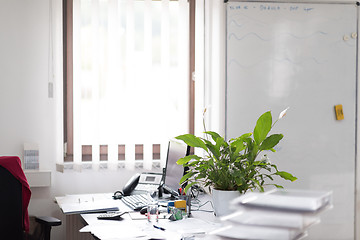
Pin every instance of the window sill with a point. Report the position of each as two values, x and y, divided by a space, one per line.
101 166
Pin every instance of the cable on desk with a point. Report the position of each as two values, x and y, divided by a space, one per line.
195 191
201 205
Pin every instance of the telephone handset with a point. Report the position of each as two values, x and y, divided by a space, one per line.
128 187
131 184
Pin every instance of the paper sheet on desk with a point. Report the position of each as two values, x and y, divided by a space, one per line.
190 225
108 231
116 230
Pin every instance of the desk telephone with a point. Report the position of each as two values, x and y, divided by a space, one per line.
140 182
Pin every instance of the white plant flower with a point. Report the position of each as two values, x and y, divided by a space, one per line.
283 113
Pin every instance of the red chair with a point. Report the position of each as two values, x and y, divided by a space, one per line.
15 195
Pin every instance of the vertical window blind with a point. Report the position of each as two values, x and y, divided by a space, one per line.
130 80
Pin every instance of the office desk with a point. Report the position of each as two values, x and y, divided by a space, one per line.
275 222
199 224
73 205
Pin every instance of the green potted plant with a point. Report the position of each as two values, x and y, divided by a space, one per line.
234 165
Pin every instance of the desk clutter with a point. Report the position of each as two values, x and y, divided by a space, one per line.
276 215
273 215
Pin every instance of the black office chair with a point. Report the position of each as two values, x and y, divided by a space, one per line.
11 214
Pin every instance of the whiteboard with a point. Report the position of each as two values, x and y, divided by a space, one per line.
301 56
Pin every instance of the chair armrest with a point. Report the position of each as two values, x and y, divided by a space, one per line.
48 221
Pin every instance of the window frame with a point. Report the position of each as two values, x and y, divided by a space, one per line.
68 80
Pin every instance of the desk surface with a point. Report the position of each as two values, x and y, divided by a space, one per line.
202 221
199 226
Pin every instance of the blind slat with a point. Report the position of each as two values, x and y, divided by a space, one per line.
148 34
130 156
183 58
113 76
147 156
165 37
77 152
94 76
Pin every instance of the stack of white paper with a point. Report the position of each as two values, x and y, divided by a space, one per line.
293 200
87 203
277 214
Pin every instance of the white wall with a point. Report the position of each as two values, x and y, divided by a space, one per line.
27 114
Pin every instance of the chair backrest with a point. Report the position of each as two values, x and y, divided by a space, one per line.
10 206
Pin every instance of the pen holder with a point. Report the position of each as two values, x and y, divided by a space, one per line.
187 198
153 212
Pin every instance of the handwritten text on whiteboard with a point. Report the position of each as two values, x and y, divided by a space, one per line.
268 7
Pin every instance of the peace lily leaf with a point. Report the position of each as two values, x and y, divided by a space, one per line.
220 142
215 151
286 175
263 127
187 176
200 176
274 166
192 141
214 135
186 159
269 176
239 145
189 186
257 163
253 151
190 164
244 138
271 142
245 135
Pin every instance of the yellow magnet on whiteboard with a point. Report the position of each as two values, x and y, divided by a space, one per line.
339 112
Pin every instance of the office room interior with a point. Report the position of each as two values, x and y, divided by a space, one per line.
31 62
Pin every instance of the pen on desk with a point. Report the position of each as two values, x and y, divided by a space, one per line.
162 229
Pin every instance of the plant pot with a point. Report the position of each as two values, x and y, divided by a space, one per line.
221 200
